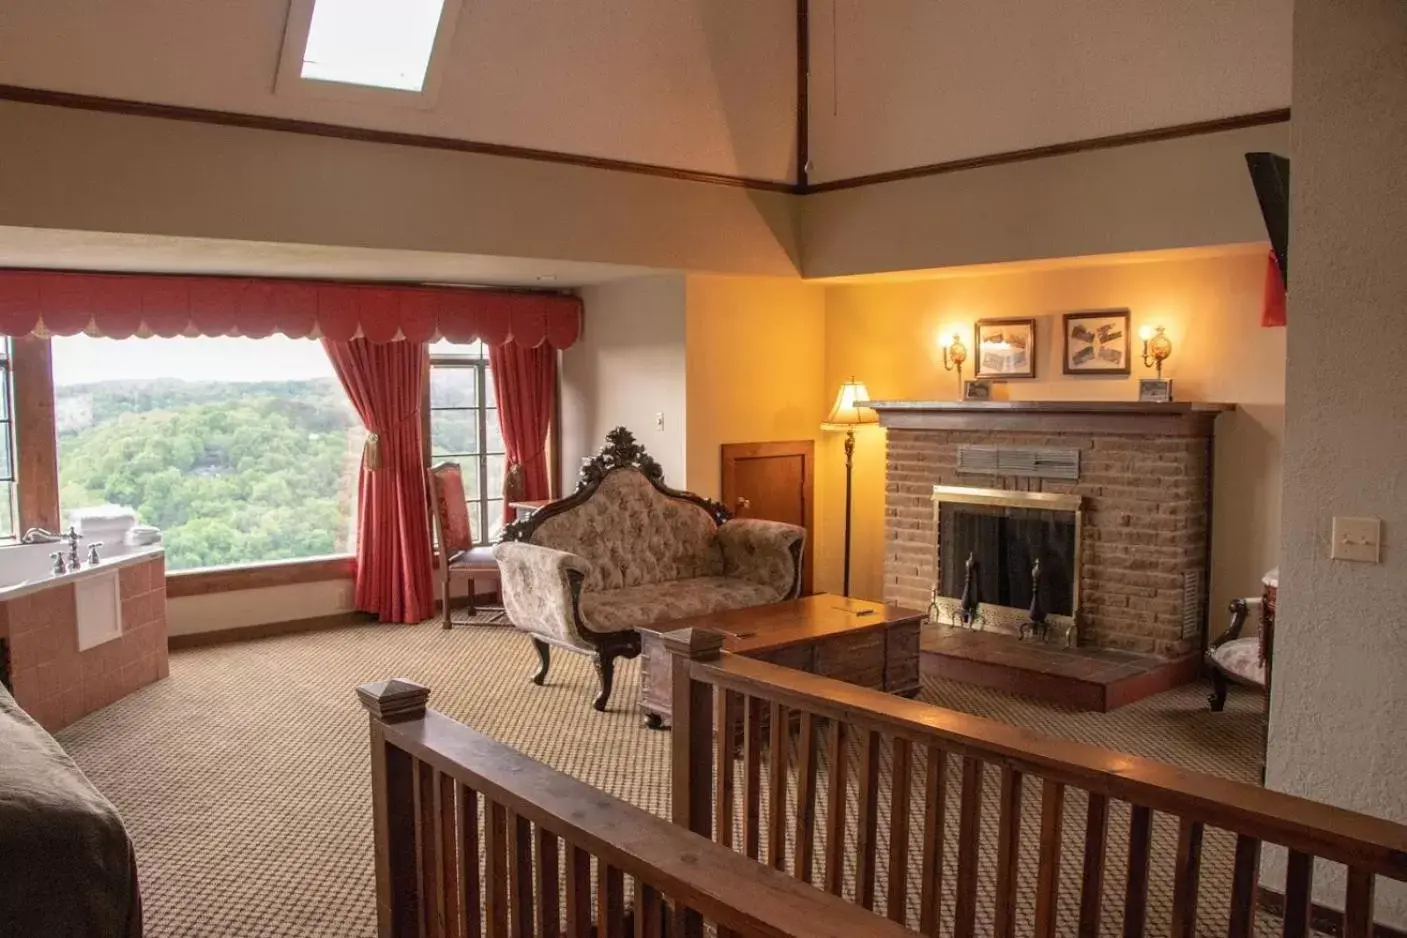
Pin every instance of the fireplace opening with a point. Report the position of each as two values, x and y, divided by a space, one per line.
1006 534
1005 544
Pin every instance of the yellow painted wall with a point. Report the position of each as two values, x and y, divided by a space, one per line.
886 334
755 350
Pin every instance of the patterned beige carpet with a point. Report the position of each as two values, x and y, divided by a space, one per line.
243 778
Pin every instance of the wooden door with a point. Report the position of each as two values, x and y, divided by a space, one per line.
774 482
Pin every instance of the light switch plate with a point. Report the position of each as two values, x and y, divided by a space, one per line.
1357 539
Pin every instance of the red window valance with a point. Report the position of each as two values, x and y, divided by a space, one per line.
122 305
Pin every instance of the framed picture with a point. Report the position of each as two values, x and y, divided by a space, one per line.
1006 348
1097 343
977 391
1154 391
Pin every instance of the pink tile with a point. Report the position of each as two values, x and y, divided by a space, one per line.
73 705
163 665
25 682
133 609
132 580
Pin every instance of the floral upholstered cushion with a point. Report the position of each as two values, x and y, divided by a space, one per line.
1240 658
633 534
447 485
634 606
765 552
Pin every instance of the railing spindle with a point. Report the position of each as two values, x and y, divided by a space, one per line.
1245 884
969 834
1186 875
777 788
896 898
724 723
578 892
1136 888
495 871
520 877
1299 892
806 799
867 833
1092 884
935 796
649 912
447 895
610 901
752 777
1358 904
470 902
1008 852
549 905
1048 873
835 818
426 848
691 765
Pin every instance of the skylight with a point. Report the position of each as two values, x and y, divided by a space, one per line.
378 43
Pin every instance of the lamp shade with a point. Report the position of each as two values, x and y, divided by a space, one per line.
849 409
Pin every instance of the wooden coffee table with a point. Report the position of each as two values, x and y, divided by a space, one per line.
853 640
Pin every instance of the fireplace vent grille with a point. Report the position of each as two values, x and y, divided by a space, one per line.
1033 461
1192 603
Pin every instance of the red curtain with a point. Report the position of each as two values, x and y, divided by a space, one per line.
525 380
1272 311
385 383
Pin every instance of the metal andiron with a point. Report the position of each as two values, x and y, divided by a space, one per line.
1035 623
968 613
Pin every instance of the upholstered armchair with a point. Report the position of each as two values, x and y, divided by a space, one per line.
626 551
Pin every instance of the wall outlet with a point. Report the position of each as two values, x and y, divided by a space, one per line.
1357 539
659 420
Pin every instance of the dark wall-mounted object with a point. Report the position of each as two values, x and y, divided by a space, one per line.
1270 174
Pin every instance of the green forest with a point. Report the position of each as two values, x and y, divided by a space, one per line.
231 472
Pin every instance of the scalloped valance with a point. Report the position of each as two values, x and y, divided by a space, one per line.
123 305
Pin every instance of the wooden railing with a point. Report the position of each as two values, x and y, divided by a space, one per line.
474 839
824 742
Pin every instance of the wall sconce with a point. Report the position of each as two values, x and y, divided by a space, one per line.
954 354
1156 348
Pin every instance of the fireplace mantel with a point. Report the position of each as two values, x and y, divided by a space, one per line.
1172 419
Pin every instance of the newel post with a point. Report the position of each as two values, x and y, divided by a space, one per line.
393 805
692 707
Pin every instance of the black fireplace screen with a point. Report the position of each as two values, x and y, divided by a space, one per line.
1006 542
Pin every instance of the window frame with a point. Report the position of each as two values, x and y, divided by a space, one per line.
482 497
9 473
289 80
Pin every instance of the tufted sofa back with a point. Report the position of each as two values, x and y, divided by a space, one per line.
634 534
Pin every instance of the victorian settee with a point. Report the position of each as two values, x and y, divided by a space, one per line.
626 551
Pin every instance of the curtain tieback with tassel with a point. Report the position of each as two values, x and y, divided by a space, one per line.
513 482
371 452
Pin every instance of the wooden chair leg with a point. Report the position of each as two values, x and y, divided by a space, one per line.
1217 698
444 597
544 659
606 671
472 611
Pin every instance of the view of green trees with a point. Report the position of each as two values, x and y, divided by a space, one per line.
232 472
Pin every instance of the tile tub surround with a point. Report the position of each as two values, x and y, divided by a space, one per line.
1145 475
50 678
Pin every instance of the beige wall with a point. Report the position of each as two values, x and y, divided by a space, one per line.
1338 725
698 84
627 370
87 171
901 83
189 615
887 336
1183 193
755 353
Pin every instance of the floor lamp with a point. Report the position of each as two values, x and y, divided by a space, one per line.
847 414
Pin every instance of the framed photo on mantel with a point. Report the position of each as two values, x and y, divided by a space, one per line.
1006 348
1097 342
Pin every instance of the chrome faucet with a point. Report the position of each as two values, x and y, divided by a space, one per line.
40 536
93 553
74 562
58 558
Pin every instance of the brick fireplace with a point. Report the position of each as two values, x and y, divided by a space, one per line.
1142 474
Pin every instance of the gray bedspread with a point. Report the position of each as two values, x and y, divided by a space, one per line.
67 869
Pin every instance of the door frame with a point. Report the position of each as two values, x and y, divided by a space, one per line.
730 452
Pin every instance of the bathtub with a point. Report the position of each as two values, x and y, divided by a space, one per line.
75 642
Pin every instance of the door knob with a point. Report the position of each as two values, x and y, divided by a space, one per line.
743 504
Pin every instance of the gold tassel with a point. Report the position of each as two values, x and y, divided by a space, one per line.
513 488
371 452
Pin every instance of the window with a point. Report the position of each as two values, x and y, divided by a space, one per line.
7 447
240 450
387 51
463 418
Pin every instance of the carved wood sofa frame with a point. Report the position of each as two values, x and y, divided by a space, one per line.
721 699
620 452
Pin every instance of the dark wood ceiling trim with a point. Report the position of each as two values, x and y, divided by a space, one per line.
85 102
1257 119
803 93
288 125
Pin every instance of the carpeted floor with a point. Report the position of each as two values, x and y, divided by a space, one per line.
243 778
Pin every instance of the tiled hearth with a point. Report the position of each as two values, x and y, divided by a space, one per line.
1142 474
